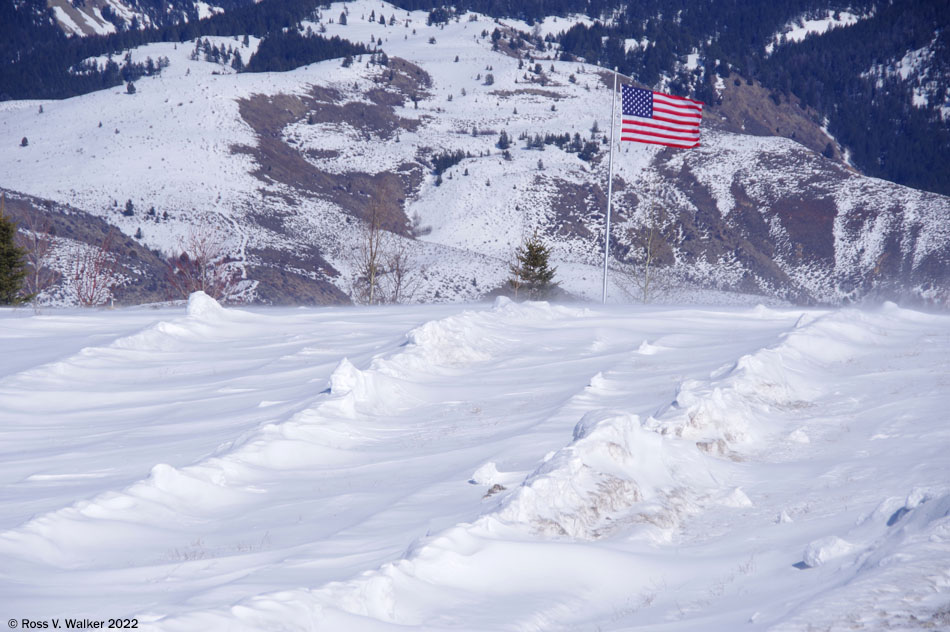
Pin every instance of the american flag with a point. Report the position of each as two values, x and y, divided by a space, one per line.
660 119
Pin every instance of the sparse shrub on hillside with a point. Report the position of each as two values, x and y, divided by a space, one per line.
24 142
416 228
130 88
489 79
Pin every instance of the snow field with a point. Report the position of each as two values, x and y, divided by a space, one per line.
507 467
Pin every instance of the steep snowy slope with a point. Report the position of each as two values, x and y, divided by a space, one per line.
291 164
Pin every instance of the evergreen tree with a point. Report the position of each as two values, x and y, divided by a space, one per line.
530 272
12 262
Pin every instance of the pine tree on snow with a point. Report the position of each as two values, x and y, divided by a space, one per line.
530 271
12 262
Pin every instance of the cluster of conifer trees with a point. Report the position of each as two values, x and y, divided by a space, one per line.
37 61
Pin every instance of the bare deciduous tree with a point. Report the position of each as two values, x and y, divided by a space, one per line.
368 259
38 241
401 277
205 264
640 279
94 274
383 267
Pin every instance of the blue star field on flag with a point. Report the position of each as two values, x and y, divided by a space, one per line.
637 102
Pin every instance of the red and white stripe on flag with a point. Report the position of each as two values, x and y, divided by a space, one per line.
660 119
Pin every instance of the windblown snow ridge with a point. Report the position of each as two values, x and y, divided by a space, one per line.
616 470
734 406
619 471
325 435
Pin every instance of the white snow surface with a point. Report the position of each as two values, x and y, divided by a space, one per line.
799 29
475 467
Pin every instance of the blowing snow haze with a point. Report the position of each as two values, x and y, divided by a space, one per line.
357 374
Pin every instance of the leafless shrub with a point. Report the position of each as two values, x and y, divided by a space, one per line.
35 236
94 273
205 264
643 278
383 268
416 228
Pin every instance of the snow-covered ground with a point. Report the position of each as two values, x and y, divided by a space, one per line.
483 467
799 29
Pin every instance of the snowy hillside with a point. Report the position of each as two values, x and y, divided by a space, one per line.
287 164
506 467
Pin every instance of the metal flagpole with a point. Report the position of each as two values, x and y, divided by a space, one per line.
610 180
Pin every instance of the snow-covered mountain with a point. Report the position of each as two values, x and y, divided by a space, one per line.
288 166
101 17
